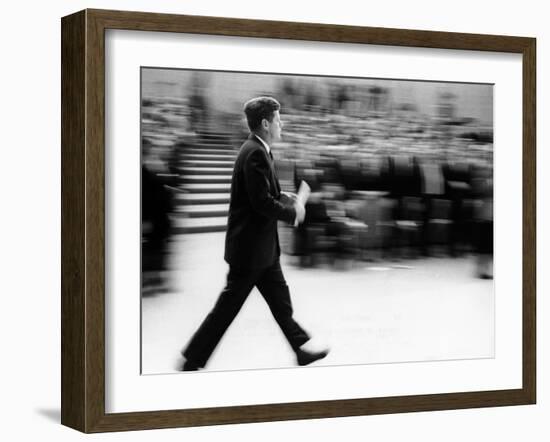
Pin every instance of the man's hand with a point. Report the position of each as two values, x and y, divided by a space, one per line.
300 213
289 195
287 198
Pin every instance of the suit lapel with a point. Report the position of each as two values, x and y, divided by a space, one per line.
277 185
274 180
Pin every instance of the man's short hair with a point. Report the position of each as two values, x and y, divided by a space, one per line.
259 108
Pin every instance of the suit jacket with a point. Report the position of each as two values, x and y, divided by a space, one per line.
251 240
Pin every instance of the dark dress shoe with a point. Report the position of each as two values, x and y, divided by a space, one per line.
304 357
190 366
187 365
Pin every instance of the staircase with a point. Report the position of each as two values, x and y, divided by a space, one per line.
205 169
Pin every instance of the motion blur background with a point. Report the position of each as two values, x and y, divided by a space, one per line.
401 185
396 167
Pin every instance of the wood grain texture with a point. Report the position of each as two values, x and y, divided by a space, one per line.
529 220
306 31
308 410
95 221
83 220
73 256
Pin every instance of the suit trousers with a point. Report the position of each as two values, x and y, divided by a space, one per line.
271 283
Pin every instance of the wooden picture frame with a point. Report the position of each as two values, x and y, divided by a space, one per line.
83 220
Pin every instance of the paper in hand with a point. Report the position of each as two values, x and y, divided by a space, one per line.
303 193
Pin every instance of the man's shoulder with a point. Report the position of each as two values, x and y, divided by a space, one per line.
250 146
251 142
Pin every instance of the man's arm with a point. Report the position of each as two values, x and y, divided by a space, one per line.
256 175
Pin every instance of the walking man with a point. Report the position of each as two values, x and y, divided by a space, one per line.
252 244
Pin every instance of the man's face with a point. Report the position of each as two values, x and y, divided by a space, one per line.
274 127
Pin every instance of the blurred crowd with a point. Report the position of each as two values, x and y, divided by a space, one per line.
387 180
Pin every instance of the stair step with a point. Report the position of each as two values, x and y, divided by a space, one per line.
160 139
214 144
206 170
230 156
213 135
208 150
207 179
203 210
200 225
213 138
206 188
208 163
202 198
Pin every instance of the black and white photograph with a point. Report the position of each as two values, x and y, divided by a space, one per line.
403 129
300 220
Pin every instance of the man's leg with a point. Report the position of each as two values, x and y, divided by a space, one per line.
273 287
239 284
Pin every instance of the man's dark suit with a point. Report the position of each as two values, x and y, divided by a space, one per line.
252 251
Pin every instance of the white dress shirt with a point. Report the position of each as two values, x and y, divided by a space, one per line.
264 144
268 151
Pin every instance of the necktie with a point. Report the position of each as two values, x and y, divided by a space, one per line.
277 185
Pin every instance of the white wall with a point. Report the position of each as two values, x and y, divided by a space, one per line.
30 218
